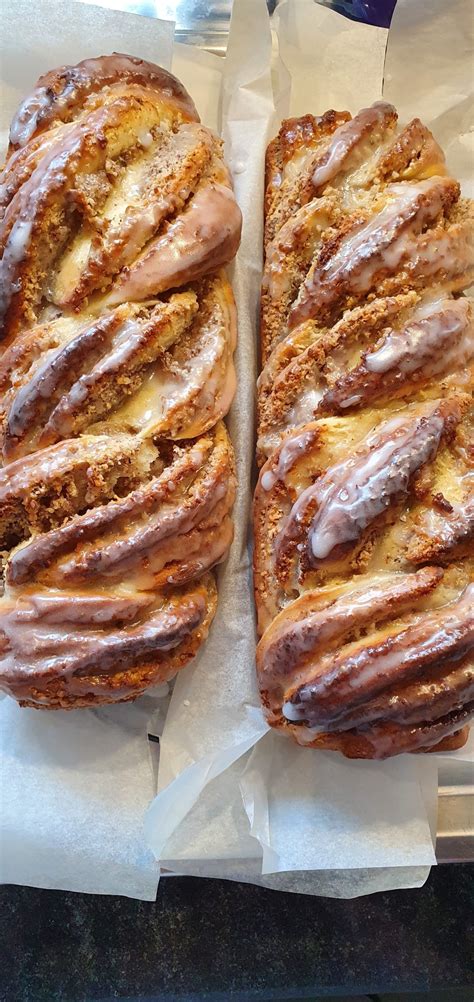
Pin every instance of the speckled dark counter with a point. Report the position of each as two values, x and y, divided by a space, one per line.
212 939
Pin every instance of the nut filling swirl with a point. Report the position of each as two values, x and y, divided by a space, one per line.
117 328
364 507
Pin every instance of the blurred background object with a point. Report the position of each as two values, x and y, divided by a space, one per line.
206 22
377 12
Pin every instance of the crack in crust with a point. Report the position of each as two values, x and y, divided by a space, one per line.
363 511
118 325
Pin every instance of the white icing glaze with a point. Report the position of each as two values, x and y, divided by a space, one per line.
359 602
342 151
295 166
306 735
53 606
18 240
443 531
304 227
203 236
54 462
291 451
451 253
304 407
355 493
192 386
26 118
53 647
88 76
351 401
268 480
224 395
145 139
196 552
49 177
148 192
119 524
134 546
380 244
169 390
434 630
125 343
292 711
432 337
15 250
352 493
339 681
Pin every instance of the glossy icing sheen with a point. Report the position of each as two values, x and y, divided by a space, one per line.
118 483
344 142
350 495
363 515
291 451
47 465
447 632
56 644
204 236
47 183
315 632
154 188
378 245
65 88
435 330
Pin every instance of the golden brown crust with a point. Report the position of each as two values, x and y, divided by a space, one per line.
329 670
401 347
296 136
157 540
39 492
68 684
131 535
60 94
118 324
363 512
64 377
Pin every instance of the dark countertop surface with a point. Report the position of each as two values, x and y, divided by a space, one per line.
212 939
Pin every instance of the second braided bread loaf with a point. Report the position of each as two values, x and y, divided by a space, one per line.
364 509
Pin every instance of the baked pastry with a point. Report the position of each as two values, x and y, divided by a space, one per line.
364 508
118 328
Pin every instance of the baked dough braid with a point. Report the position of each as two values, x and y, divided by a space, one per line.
364 508
117 327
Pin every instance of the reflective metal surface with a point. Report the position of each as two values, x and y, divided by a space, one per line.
198 22
455 838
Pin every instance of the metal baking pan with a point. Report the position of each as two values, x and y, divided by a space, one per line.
205 23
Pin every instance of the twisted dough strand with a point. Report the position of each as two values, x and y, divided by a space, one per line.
118 329
364 508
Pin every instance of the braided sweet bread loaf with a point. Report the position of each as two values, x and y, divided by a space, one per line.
364 508
118 328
